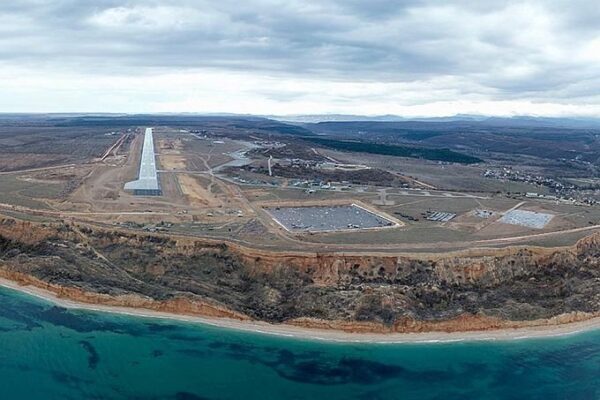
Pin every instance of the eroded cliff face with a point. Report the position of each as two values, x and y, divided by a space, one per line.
509 287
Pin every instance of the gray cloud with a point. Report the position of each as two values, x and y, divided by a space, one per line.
536 50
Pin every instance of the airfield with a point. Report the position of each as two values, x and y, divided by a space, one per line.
218 186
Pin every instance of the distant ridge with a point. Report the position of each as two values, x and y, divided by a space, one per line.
521 121
515 121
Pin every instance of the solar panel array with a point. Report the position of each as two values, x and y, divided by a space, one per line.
327 218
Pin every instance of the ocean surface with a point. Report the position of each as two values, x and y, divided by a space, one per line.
48 352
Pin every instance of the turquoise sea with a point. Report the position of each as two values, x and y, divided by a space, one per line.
48 352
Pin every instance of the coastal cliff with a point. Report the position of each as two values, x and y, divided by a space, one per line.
477 290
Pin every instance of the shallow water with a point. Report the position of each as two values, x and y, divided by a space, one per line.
48 352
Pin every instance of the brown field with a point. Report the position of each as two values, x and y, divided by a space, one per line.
197 193
172 162
170 157
211 204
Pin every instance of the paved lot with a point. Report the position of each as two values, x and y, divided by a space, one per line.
326 218
529 219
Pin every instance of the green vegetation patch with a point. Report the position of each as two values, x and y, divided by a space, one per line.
398 151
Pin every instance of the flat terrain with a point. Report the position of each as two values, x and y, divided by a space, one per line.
216 184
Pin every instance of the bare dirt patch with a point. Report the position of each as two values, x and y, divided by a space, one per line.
172 162
170 154
196 193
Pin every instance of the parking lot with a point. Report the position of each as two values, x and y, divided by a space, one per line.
327 218
529 219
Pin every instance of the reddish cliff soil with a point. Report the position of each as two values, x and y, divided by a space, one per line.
477 290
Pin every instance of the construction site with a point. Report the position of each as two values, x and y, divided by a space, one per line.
220 186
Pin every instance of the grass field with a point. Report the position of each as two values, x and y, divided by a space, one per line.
27 193
35 146
397 151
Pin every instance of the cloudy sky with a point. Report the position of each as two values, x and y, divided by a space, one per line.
413 58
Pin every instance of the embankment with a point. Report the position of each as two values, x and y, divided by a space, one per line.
480 290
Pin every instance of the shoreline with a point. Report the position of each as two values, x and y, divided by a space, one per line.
324 335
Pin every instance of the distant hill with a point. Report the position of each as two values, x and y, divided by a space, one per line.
522 121
111 121
541 137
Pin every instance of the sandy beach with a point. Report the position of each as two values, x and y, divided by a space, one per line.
319 334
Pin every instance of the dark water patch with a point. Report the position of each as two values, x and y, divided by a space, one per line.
60 316
184 338
571 363
188 396
343 372
372 395
85 322
162 328
130 358
93 357
23 367
172 332
455 395
241 351
316 368
239 348
194 352
157 353
285 356
20 314
217 345
68 379
512 372
473 371
6 330
570 355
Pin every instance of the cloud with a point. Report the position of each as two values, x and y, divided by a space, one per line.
384 55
